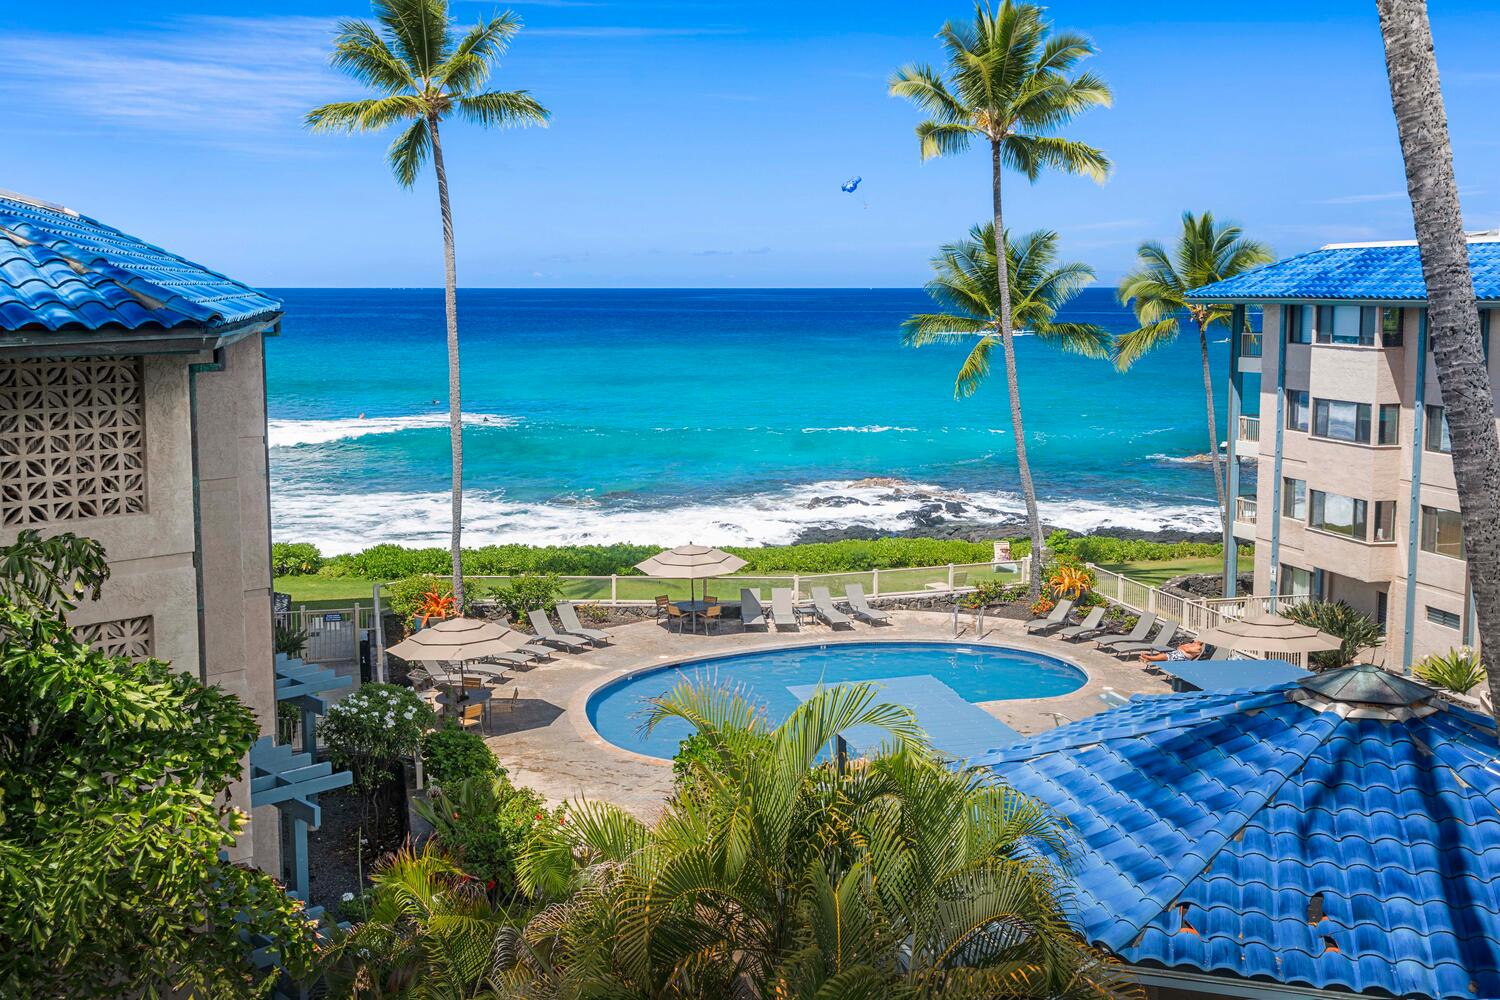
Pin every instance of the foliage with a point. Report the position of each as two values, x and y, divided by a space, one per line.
289 639
1102 549
295 558
529 592
991 592
113 776
786 875
288 719
1042 606
697 751
1459 670
452 754
433 604
485 824
370 731
409 597
1071 580
1357 631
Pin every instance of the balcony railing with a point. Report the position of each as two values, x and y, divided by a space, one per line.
1249 345
1244 510
1249 428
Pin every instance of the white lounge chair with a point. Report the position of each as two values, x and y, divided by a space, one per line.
823 605
854 594
783 611
568 615
752 615
551 636
1142 626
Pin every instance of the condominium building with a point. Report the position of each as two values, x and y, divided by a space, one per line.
1339 453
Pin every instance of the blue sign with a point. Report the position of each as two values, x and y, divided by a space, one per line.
337 617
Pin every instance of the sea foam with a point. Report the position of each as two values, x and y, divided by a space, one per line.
290 433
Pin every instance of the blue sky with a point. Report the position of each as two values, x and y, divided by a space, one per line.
703 143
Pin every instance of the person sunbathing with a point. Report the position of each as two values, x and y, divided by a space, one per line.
1187 651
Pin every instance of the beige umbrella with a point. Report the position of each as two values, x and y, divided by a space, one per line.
1263 632
458 639
690 563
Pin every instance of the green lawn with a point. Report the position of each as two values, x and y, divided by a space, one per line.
321 589
1157 573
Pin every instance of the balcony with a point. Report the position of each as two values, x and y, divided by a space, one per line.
1244 518
1250 345
1248 438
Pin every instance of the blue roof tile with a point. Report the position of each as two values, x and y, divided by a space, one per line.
1206 823
1388 273
61 271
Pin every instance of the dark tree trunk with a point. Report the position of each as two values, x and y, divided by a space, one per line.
455 405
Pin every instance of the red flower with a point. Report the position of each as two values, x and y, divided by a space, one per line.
490 884
538 815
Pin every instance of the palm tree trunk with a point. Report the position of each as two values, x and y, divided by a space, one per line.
455 405
1453 320
1213 438
1012 385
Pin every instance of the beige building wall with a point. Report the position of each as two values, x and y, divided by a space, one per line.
150 603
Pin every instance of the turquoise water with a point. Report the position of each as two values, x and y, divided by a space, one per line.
728 416
976 673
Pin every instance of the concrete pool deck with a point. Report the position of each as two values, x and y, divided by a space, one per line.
547 743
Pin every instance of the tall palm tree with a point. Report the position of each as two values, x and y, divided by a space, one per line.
1010 83
776 872
424 73
1453 319
966 289
1206 251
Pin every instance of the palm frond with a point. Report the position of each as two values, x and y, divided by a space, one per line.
361 53
1084 339
419 31
1030 153
975 369
943 138
925 88
409 151
1132 346
512 107
467 68
941 328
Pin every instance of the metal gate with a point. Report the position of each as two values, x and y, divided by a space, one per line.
333 634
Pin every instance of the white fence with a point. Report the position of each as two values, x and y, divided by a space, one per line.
333 634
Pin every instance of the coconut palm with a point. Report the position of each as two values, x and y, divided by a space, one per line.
776 871
966 289
1010 83
424 73
1453 319
1206 251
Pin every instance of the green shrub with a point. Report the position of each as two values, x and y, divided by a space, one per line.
405 597
529 592
991 592
1356 631
1101 549
289 639
484 824
1459 670
370 731
295 559
452 754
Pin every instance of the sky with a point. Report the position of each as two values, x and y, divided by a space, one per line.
702 144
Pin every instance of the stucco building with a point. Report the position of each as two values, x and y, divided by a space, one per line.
1350 495
132 411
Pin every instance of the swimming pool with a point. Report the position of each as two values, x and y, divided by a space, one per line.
976 673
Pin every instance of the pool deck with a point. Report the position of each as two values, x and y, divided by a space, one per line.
547 743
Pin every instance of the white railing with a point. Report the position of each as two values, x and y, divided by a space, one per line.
1244 510
1250 345
1249 428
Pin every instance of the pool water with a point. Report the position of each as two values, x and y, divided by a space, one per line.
976 673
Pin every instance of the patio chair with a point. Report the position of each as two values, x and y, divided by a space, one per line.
568 615
508 702
783 611
752 615
1166 631
663 604
1219 653
1057 619
471 715
823 606
551 636
1089 625
854 594
1142 626
674 613
711 616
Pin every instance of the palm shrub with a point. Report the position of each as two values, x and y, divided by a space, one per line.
786 874
1459 670
1356 631
484 824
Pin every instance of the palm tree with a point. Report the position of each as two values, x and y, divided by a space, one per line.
424 73
965 287
1453 319
1206 251
777 872
1009 83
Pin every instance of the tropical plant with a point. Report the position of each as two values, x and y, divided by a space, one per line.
1356 631
288 638
411 597
1206 251
295 559
1010 83
433 604
424 74
1071 581
1458 353
114 777
1459 670
485 824
451 754
372 730
789 873
529 592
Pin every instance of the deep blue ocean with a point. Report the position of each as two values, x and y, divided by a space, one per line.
715 416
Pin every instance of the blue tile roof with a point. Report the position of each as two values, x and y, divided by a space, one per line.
1206 824
61 271
1367 273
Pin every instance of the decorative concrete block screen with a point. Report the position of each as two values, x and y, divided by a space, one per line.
72 439
123 637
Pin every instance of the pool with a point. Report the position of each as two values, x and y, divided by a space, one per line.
976 673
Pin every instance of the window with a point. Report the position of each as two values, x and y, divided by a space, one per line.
1390 423
1296 410
1436 435
1295 582
1323 324
1295 320
1382 602
1442 532
1341 420
1294 498
1391 330
1438 616
1385 520
1338 514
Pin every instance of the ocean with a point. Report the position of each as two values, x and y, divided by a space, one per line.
737 416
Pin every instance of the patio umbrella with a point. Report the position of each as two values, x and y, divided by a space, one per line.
460 639
1263 632
691 563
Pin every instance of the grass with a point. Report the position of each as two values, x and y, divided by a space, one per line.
1155 574
345 590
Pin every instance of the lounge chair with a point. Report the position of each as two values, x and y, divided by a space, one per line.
551 636
568 615
535 650
1220 653
1142 626
783 611
1090 624
752 615
1166 631
823 605
1057 619
854 594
